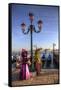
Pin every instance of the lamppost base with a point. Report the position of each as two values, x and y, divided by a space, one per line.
32 68
52 66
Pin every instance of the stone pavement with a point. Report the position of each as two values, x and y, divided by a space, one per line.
47 76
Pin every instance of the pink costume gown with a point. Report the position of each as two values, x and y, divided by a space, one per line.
24 73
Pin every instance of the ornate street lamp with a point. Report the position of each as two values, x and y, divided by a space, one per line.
31 29
23 26
39 25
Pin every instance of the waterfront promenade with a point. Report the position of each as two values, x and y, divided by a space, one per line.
47 76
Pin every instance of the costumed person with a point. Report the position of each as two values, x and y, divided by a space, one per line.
24 72
38 63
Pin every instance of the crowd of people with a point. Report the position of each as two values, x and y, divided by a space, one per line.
26 63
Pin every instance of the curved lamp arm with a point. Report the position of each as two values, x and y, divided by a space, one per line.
23 26
25 32
37 31
39 26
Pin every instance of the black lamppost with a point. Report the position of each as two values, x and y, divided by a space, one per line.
31 29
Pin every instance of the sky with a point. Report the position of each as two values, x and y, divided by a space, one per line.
48 34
